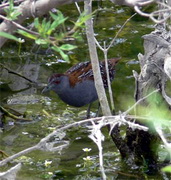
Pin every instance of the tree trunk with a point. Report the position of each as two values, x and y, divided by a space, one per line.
143 144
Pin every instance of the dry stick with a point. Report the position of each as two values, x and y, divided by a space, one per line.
42 143
78 8
117 34
5 161
108 78
97 136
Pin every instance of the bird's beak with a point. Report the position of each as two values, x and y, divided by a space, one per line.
49 87
46 89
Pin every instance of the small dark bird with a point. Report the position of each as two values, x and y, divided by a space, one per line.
76 86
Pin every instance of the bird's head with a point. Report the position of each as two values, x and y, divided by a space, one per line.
55 83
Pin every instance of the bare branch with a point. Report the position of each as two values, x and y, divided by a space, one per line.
44 145
140 100
157 13
11 173
117 34
105 51
167 145
95 63
133 2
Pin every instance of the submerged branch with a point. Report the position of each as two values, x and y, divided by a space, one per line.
9 114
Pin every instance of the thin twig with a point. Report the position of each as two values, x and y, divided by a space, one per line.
19 26
78 8
105 51
140 100
117 34
108 79
155 13
165 142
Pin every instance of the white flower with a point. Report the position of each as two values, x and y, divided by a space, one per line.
21 40
47 163
86 149
78 165
88 158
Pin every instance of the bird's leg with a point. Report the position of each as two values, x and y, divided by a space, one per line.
88 111
98 110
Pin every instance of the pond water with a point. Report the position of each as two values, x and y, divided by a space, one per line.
48 111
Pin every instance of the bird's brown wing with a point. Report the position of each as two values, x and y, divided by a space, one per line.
80 72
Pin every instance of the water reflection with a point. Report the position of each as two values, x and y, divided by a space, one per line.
26 97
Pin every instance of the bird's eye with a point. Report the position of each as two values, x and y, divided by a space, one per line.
55 80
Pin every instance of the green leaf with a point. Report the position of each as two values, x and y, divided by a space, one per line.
36 23
14 15
47 26
9 36
60 36
58 19
67 47
11 11
64 56
58 16
77 36
83 18
41 41
26 34
57 49
167 169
